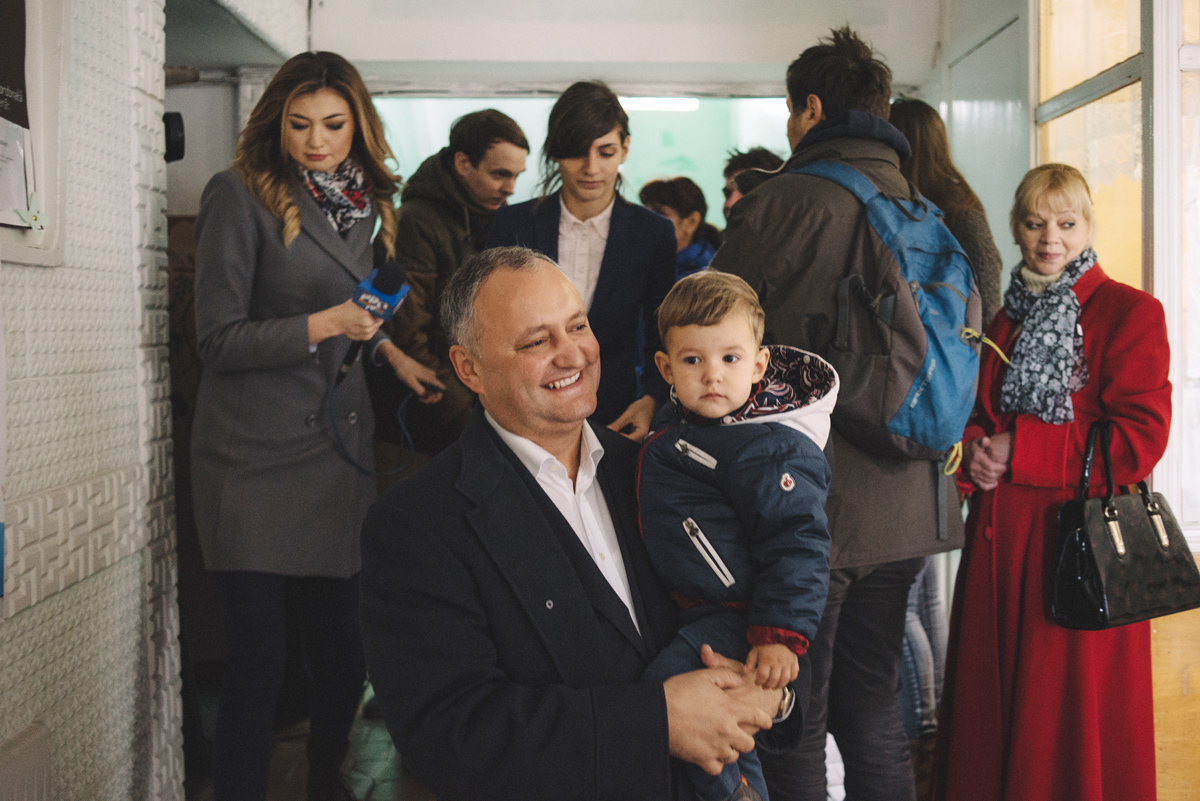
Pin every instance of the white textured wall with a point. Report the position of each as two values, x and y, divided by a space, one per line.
981 86
210 129
282 23
88 624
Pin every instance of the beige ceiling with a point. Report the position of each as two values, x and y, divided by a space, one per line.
640 46
474 47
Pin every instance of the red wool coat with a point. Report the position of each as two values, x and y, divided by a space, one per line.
1030 710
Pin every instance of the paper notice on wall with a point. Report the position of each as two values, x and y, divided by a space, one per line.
3 441
14 172
14 105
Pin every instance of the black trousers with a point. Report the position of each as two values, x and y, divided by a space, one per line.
855 660
255 613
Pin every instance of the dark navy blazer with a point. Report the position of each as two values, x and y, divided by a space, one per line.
505 664
637 272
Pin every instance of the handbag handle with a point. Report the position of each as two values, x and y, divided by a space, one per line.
1101 429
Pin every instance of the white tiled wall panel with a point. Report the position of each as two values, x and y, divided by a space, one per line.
283 23
89 624
72 663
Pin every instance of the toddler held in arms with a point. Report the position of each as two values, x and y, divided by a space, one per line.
731 499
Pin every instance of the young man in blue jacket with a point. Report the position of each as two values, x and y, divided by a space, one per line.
731 496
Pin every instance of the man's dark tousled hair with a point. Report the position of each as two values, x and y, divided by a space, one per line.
458 298
476 132
844 73
756 158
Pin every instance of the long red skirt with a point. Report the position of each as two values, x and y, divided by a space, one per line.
1030 710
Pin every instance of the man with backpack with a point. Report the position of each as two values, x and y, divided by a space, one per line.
829 283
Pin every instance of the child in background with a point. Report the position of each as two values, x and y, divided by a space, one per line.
731 498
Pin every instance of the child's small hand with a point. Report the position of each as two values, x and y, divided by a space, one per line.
773 665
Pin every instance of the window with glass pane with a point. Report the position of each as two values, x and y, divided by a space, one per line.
1190 377
1103 140
1082 38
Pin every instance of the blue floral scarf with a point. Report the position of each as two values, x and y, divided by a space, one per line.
1047 362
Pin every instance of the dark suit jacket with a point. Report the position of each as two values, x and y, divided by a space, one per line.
637 272
505 664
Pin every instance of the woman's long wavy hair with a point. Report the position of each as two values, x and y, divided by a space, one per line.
930 168
262 160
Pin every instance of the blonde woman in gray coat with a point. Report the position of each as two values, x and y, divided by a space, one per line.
283 238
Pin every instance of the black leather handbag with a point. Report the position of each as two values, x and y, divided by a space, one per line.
1120 558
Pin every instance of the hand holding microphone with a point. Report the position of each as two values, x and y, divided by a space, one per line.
380 294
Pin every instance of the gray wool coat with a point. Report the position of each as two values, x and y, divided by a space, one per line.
271 491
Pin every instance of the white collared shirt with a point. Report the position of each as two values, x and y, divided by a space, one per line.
581 248
581 503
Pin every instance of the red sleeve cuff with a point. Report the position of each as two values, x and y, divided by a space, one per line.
768 635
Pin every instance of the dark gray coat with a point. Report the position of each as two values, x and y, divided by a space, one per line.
271 492
792 239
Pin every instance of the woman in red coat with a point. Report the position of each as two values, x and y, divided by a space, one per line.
1030 710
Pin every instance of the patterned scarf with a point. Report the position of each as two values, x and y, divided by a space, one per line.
1047 362
343 194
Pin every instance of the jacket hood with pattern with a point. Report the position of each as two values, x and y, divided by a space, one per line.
799 389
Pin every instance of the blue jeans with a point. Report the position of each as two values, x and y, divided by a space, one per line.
855 661
923 660
725 631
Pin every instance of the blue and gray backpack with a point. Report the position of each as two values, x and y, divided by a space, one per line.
905 317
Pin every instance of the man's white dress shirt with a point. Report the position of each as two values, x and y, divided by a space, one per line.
581 248
581 503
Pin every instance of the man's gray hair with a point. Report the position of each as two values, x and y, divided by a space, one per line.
458 298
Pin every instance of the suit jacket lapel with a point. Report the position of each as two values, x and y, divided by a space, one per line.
346 252
545 226
603 597
654 609
522 539
615 266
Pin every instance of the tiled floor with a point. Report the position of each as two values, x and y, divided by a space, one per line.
373 768
376 773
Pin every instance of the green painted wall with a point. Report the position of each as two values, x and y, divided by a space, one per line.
663 144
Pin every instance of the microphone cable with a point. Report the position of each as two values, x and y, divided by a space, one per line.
344 452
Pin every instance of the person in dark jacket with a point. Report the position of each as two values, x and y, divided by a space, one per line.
620 256
745 170
793 239
509 608
731 489
682 202
932 171
445 213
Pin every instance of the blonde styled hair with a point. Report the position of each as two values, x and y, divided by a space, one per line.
1062 187
706 298
262 159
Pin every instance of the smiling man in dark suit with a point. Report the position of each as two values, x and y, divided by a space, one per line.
509 609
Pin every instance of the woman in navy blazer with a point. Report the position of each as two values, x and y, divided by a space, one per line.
587 141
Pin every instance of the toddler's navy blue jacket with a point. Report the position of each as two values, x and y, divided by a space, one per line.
733 510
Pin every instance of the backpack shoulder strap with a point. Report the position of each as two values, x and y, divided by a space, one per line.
844 175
